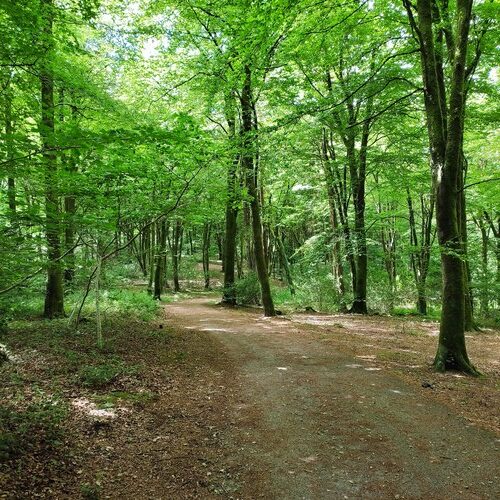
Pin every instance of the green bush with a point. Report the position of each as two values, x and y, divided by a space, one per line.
138 304
248 289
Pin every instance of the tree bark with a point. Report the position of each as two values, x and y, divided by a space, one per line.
54 296
247 161
445 129
228 294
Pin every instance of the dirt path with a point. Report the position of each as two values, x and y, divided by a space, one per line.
309 421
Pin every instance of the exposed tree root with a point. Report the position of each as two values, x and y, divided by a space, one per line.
447 359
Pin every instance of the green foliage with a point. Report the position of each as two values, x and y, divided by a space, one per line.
3 323
147 121
24 430
98 376
131 302
247 289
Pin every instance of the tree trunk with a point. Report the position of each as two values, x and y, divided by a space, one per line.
151 257
247 161
54 296
176 251
70 165
206 254
160 260
247 235
445 141
228 294
357 170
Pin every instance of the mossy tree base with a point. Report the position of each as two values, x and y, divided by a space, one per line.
451 359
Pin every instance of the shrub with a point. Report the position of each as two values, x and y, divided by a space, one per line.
248 289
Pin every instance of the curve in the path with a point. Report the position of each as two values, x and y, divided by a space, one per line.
315 423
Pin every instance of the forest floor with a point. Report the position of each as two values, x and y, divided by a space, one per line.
215 402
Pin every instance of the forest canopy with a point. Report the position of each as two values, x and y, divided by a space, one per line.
333 155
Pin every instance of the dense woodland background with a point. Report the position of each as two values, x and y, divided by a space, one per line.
288 140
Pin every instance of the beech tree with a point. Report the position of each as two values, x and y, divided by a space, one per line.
445 103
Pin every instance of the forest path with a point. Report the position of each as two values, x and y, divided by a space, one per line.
309 421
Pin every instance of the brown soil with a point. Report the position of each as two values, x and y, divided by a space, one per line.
322 414
241 406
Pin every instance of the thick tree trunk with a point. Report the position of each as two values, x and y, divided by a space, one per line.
54 296
247 161
452 352
445 140
358 190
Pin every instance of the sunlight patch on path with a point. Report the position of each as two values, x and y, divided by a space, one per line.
88 407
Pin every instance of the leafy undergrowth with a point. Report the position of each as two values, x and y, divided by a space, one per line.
75 419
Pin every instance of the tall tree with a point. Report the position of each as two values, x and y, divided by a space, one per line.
251 173
54 293
445 110
231 215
